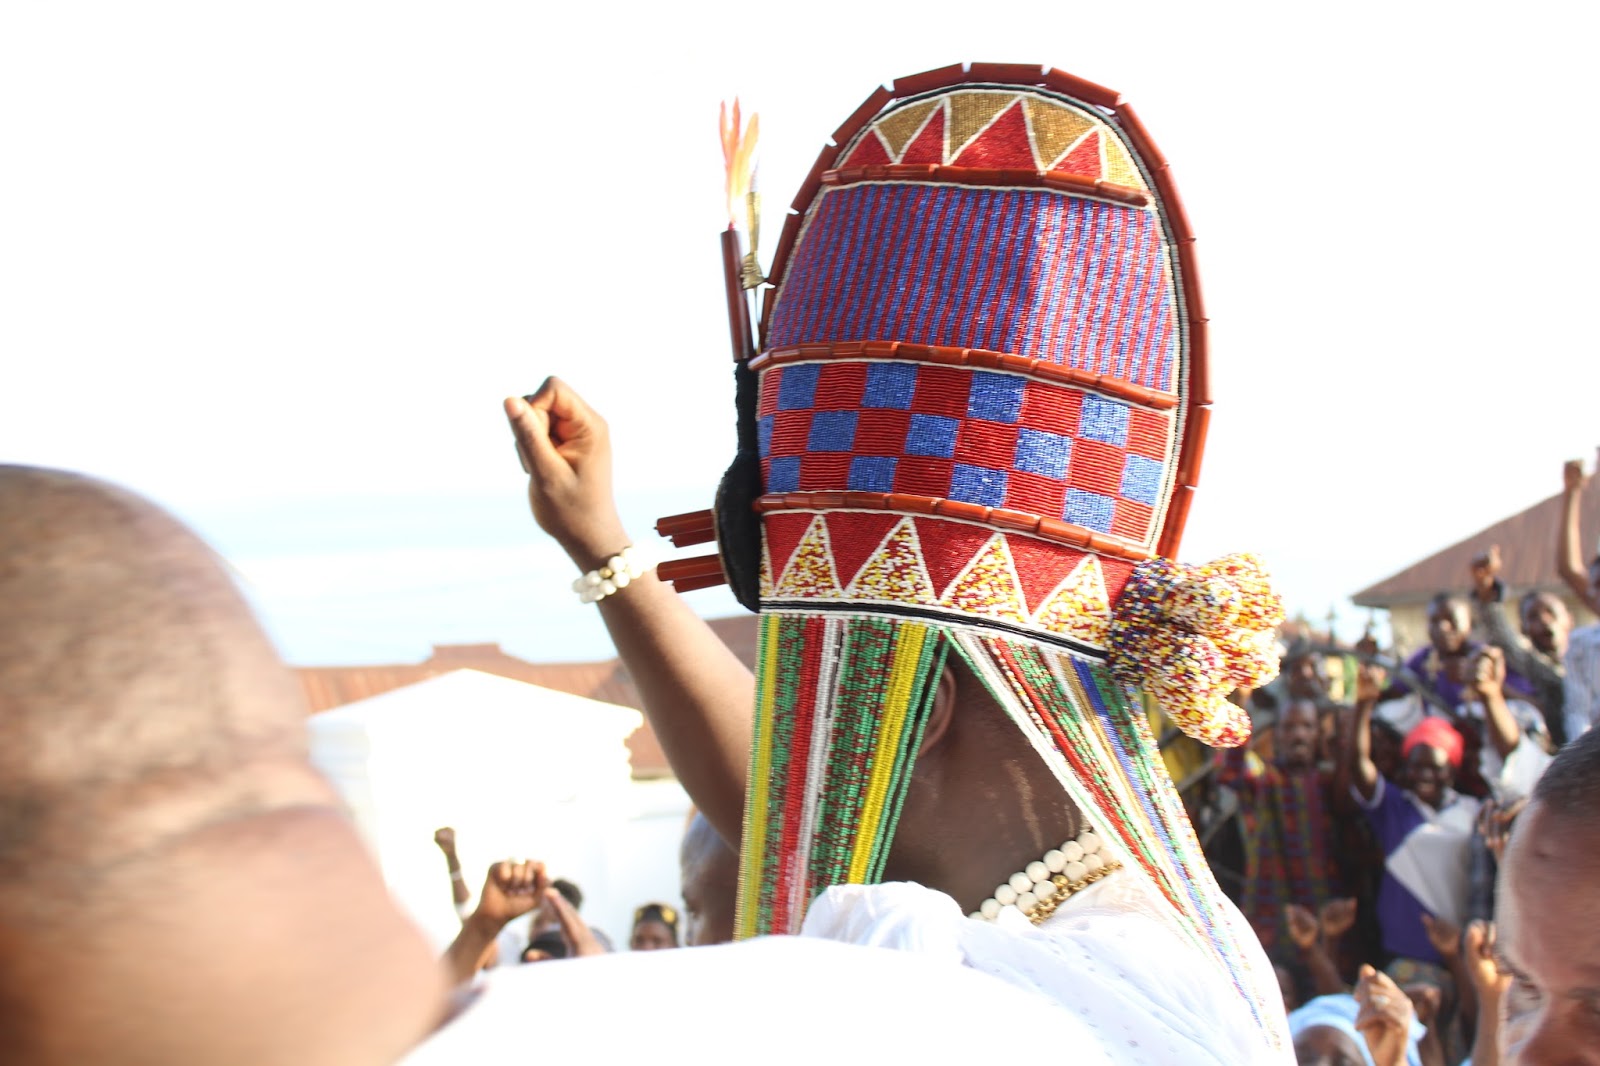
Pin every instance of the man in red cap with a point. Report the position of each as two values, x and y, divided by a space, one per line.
1424 829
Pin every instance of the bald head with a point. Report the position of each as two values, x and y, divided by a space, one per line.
176 883
1570 786
131 670
1547 932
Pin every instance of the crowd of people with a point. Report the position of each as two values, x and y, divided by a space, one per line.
1367 834
521 915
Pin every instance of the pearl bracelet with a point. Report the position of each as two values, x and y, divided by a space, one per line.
1047 883
621 569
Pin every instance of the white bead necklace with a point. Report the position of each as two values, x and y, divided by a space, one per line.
1046 883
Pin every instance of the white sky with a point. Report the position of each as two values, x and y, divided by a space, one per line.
276 264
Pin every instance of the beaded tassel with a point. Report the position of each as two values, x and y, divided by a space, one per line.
841 707
1098 742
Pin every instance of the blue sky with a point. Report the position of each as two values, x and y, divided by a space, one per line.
277 265
380 578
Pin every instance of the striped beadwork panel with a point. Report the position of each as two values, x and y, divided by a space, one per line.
1030 272
840 710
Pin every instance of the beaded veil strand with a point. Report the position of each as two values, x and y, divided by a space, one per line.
972 427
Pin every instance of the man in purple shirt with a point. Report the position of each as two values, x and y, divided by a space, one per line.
1424 828
1445 667
1442 664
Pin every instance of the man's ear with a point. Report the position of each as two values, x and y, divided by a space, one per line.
944 709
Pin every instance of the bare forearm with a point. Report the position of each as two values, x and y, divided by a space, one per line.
1486 1041
1503 730
1325 979
698 695
1569 551
462 956
1468 1007
1355 762
1430 1050
458 886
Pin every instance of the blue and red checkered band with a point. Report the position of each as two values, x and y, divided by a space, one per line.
975 387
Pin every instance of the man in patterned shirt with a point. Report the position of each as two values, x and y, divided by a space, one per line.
1284 807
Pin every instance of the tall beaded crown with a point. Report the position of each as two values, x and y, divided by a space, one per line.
974 421
985 336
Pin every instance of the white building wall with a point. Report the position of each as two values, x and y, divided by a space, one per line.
519 772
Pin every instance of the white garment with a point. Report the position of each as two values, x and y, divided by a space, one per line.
1433 862
1113 956
1582 684
885 973
1513 776
774 1000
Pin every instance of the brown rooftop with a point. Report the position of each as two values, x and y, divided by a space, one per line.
1527 551
608 680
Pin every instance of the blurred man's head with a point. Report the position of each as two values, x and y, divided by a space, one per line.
569 891
1448 624
1303 672
1386 742
154 780
545 926
546 944
1296 735
1546 623
709 870
1323 1045
1549 932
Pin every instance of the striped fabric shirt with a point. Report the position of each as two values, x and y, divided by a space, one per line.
1288 838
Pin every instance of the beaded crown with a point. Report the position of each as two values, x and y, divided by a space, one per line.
974 421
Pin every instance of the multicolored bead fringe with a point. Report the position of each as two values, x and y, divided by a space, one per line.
1097 741
840 709
841 705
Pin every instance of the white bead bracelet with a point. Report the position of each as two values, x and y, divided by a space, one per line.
621 569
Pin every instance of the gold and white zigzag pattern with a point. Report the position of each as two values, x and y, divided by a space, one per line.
1056 130
895 574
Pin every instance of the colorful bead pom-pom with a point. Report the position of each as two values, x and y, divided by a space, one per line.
1191 635
1249 657
1207 604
